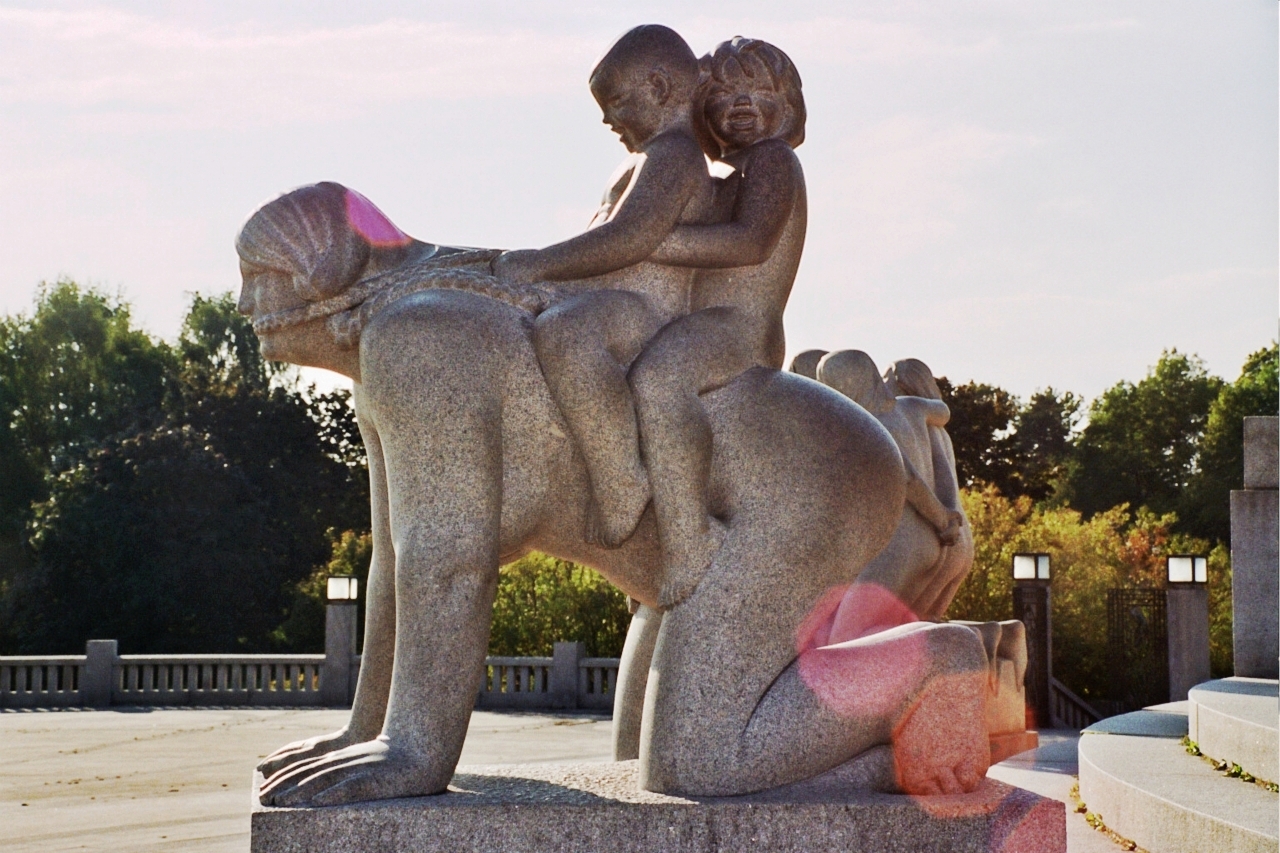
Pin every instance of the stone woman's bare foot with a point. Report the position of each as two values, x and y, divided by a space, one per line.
683 574
373 770
940 744
304 750
615 510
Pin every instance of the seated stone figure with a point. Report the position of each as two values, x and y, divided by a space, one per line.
755 111
586 341
911 377
892 590
471 466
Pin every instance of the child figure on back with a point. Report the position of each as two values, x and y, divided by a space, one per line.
755 111
618 296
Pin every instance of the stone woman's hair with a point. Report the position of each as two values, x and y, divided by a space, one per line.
348 261
855 375
912 377
759 58
307 235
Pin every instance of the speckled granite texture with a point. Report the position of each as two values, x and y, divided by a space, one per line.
558 808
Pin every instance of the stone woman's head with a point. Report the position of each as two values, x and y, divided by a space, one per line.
855 375
912 377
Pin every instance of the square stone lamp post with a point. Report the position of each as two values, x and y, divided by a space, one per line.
1031 607
342 592
1187 621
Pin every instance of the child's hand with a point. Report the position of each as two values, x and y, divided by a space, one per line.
516 267
951 533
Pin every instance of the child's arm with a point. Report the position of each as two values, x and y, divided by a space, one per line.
943 520
765 199
666 178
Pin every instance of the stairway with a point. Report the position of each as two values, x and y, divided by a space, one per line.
1137 775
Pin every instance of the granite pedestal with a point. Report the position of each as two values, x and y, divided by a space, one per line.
557 808
1255 564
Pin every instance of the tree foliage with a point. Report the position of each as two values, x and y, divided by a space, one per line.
1021 450
174 495
1142 441
542 599
1088 556
1205 506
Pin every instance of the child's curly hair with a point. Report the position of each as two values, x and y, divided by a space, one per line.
756 58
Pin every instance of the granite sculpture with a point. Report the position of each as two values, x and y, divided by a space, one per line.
483 379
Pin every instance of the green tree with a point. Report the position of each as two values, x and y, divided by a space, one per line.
541 600
219 349
1042 442
156 540
1141 443
76 372
240 454
981 418
1205 507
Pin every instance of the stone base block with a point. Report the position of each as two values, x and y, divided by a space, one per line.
597 808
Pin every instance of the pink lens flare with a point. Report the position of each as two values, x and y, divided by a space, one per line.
866 678
868 608
372 224
850 611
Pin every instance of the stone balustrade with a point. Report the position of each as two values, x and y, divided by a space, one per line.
101 677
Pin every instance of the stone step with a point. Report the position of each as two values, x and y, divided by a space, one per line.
1236 720
1136 774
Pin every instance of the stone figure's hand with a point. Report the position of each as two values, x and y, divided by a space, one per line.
302 750
516 267
950 535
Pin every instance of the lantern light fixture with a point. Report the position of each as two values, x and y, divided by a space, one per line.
1030 567
1187 568
342 588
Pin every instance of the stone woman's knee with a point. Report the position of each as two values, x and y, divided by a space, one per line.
956 649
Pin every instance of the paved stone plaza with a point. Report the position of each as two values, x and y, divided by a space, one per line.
178 779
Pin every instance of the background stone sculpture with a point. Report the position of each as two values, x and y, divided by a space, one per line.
908 579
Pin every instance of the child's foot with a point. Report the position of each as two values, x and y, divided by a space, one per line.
940 745
615 510
682 576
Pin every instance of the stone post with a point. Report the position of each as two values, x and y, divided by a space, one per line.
339 648
1187 615
1031 607
564 673
1255 559
99 672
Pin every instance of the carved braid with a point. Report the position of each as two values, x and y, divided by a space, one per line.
350 311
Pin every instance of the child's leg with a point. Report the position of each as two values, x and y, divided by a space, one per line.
690 356
584 345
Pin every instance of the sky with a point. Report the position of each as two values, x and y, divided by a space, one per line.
1027 194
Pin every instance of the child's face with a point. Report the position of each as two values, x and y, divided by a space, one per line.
743 110
631 104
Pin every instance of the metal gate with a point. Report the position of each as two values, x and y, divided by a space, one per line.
1137 648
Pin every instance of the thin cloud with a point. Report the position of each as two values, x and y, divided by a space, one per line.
148 72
